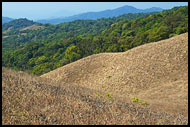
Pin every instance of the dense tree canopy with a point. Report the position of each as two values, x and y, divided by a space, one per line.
15 38
79 39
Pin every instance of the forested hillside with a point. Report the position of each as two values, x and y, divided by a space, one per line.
17 24
54 46
16 38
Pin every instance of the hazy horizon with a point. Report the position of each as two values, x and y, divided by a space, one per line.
47 10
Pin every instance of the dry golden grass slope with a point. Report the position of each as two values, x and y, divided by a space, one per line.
156 72
98 89
32 27
29 100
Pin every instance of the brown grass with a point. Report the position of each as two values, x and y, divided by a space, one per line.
33 27
98 89
34 101
6 31
147 71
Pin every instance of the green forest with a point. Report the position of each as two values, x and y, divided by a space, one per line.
51 33
43 50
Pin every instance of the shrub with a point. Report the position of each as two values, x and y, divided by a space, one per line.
135 99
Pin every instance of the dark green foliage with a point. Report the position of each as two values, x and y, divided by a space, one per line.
17 24
51 33
54 46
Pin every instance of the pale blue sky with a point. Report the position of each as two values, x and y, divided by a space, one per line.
42 10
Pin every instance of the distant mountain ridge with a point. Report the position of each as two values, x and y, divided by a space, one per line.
102 14
6 19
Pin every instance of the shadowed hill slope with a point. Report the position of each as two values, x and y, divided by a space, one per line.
34 100
156 72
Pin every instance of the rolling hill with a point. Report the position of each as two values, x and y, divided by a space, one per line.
17 24
98 89
156 72
102 14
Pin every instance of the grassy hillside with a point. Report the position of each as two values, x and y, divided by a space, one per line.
155 72
94 90
34 101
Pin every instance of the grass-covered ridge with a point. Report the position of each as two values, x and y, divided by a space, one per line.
30 100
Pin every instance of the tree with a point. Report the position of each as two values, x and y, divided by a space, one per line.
41 59
72 53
